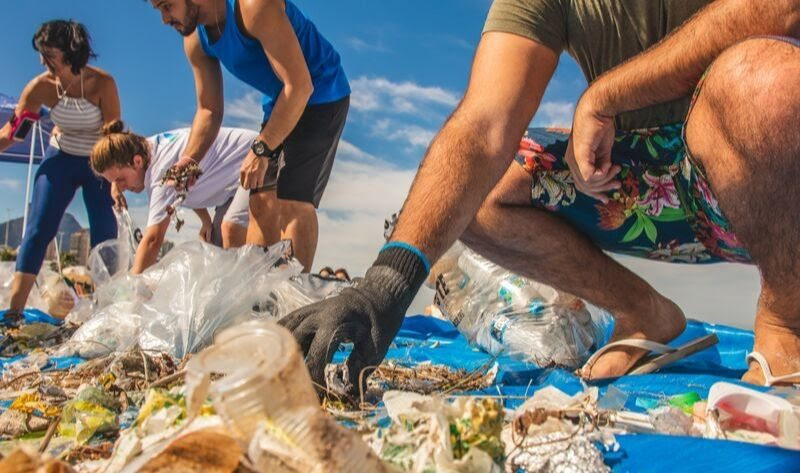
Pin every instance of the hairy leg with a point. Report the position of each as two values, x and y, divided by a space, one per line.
299 224
542 246
743 130
264 227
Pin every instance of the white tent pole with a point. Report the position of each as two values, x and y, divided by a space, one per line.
30 176
41 138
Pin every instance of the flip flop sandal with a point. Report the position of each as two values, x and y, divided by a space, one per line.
769 379
663 355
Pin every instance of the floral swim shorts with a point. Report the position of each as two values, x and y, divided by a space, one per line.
664 209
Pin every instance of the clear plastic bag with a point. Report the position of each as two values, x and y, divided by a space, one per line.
179 303
297 292
113 257
502 312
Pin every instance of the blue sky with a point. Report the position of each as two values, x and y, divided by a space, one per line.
408 62
395 56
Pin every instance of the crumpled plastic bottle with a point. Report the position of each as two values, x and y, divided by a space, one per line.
503 312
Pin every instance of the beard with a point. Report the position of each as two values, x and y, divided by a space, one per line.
189 23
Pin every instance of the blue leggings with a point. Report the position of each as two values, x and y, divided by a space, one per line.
57 179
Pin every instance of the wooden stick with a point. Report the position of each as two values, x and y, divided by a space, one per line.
51 430
168 379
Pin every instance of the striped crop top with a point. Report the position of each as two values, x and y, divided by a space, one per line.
79 122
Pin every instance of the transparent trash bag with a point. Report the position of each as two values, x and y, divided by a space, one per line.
113 257
297 292
180 302
502 312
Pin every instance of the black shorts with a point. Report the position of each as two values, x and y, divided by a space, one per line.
308 153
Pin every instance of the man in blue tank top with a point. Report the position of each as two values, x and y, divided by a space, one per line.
273 47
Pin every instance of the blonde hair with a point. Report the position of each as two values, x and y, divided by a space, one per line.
117 148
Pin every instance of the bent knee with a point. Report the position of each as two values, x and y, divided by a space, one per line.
757 78
228 227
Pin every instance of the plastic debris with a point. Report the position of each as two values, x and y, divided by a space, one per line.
428 433
685 402
503 312
613 399
90 412
552 432
193 295
286 430
671 420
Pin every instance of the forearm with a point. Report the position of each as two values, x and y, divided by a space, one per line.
205 126
147 252
442 203
5 143
203 215
672 68
285 114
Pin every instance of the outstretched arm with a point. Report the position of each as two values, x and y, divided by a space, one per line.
464 162
476 145
667 71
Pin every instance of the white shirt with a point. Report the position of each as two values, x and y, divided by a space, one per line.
220 167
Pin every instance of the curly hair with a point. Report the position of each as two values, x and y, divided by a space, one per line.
68 36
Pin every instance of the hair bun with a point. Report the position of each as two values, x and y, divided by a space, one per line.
116 126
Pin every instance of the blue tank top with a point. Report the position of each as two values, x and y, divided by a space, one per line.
244 57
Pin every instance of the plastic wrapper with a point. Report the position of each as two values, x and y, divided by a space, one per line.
502 312
177 305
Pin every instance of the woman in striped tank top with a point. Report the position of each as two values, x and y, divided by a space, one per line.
82 99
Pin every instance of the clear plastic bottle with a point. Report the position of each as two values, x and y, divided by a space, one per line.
503 312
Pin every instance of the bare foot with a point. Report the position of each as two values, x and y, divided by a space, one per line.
781 348
662 323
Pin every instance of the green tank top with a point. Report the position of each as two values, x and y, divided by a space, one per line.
600 34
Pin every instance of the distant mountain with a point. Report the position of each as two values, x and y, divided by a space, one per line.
69 225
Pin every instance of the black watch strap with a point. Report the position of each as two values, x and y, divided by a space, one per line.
262 150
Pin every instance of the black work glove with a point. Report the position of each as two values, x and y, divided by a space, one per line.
369 315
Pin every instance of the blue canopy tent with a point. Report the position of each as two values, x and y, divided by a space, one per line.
29 152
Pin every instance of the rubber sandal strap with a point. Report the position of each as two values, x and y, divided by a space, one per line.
769 379
640 343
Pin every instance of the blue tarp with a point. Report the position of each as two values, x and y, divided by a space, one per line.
20 152
428 339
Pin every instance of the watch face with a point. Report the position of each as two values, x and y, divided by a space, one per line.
259 148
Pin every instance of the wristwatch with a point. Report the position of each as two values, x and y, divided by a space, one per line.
262 150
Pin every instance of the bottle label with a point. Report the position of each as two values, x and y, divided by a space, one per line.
498 327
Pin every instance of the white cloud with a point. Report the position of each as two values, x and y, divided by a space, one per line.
381 94
10 184
413 135
245 111
361 45
362 192
558 114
